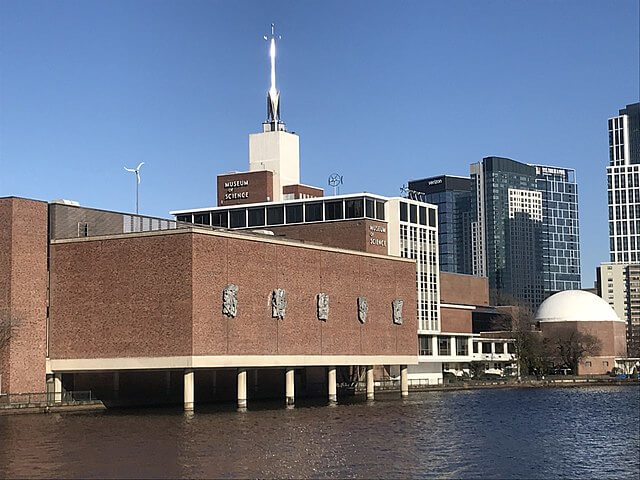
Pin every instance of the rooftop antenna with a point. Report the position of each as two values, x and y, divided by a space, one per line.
137 172
335 180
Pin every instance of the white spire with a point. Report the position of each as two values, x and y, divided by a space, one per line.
273 96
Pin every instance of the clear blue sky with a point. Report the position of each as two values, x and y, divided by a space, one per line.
381 92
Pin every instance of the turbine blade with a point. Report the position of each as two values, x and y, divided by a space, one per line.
139 165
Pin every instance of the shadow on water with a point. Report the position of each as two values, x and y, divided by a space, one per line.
508 433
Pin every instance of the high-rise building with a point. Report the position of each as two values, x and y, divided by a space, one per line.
619 285
560 232
623 185
506 230
452 195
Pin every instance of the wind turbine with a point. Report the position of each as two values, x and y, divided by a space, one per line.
137 172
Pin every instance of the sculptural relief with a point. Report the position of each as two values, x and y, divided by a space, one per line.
397 311
363 308
230 300
278 303
323 306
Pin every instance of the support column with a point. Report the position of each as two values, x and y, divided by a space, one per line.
331 381
470 347
57 388
454 346
290 386
370 386
188 390
116 384
404 381
434 345
242 388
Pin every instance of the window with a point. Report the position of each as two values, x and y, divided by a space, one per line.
511 348
432 217
238 218
256 217
587 364
354 208
219 219
413 213
370 208
379 210
201 218
333 210
444 346
275 215
499 347
424 345
605 363
83 229
486 347
294 213
184 218
423 215
313 212
475 347
404 216
462 346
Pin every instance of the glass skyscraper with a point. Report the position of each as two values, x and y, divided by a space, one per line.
452 195
560 230
506 230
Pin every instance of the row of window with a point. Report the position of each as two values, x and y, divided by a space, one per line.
307 212
425 346
420 215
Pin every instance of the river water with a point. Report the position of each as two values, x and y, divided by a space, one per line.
507 433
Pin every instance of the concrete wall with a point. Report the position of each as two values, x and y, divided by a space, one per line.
161 295
23 293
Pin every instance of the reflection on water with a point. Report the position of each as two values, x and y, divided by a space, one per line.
515 433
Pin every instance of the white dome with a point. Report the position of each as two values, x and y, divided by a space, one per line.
576 306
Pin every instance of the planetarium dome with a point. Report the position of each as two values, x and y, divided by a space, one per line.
575 306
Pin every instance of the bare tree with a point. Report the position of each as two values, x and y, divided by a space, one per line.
571 346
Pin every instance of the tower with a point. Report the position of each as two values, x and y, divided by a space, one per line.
275 149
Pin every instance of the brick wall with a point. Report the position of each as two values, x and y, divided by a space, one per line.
464 289
23 293
455 320
162 295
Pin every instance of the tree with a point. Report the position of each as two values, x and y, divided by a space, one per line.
572 345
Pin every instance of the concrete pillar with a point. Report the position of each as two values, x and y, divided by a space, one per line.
57 388
331 381
453 343
116 384
242 388
470 347
188 389
505 349
404 381
370 386
290 386
434 344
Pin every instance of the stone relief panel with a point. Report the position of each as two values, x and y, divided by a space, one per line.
230 300
278 303
363 308
323 306
397 311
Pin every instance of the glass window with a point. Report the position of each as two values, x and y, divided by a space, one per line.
313 212
201 218
238 218
379 210
370 205
424 345
184 218
511 348
256 217
333 210
294 213
432 217
413 213
353 208
275 215
499 347
219 219
444 346
475 347
486 347
404 215
462 346
423 215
